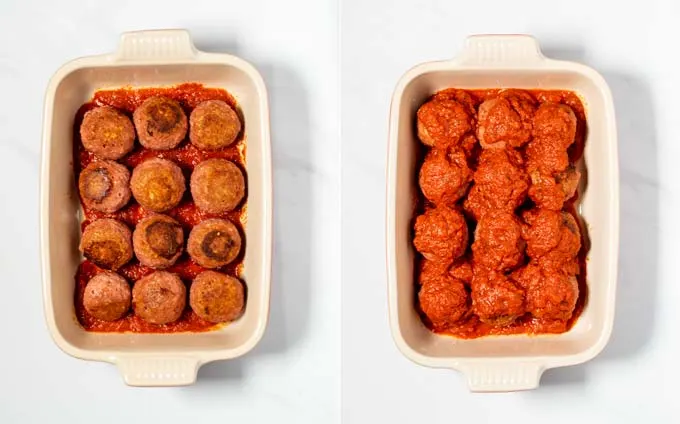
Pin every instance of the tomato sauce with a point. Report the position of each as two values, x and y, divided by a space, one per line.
186 156
471 327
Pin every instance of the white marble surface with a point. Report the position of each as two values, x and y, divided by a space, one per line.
635 47
293 375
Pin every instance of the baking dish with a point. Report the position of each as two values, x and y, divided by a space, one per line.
151 58
504 363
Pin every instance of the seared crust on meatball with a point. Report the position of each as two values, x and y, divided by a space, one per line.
441 233
107 133
216 297
158 241
159 298
444 301
496 299
157 184
104 186
444 177
217 186
214 243
443 123
107 243
161 123
214 125
107 296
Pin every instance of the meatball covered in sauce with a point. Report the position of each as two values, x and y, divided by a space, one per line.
444 177
157 184
460 96
104 186
107 133
549 295
107 296
161 123
217 186
214 243
498 242
158 241
551 192
214 125
107 243
443 123
553 236
444 301
554 131
506 120
441 233
159 298
216 297
496 299
500 183
432 270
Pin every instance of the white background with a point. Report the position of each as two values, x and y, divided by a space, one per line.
293 375
636 48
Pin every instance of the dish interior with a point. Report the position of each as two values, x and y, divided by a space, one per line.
77 88
596 206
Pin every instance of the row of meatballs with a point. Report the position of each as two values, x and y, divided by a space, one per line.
160 124
217 185
160 297
524 154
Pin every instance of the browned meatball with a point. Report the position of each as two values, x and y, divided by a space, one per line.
551 234
506 120
444 178
214 125
107 133
551 192
443 123
498 241
217 186
107 243
158 241
107 296
159 298
441 233
157 184
549 294
216 297
500 183
214 243
104 186
444 301
161 123
496 299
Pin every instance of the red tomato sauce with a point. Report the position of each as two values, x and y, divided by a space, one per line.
186 156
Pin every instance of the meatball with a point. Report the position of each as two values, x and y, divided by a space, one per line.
552 235
107 296
498 241
462 270
506 120
157 184
441 233
158 241
552 192
432 270
216 297
217 186
555 122
444 301
214 243
104 186
443 123
549 295
461 96
107 243
107 133
496 300
214 125
159 298
161 123
500 183
444 178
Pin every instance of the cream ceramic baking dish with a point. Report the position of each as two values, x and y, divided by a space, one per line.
151 58
504 363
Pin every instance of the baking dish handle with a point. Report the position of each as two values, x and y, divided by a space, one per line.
167 44
501 51
502 377
158 371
